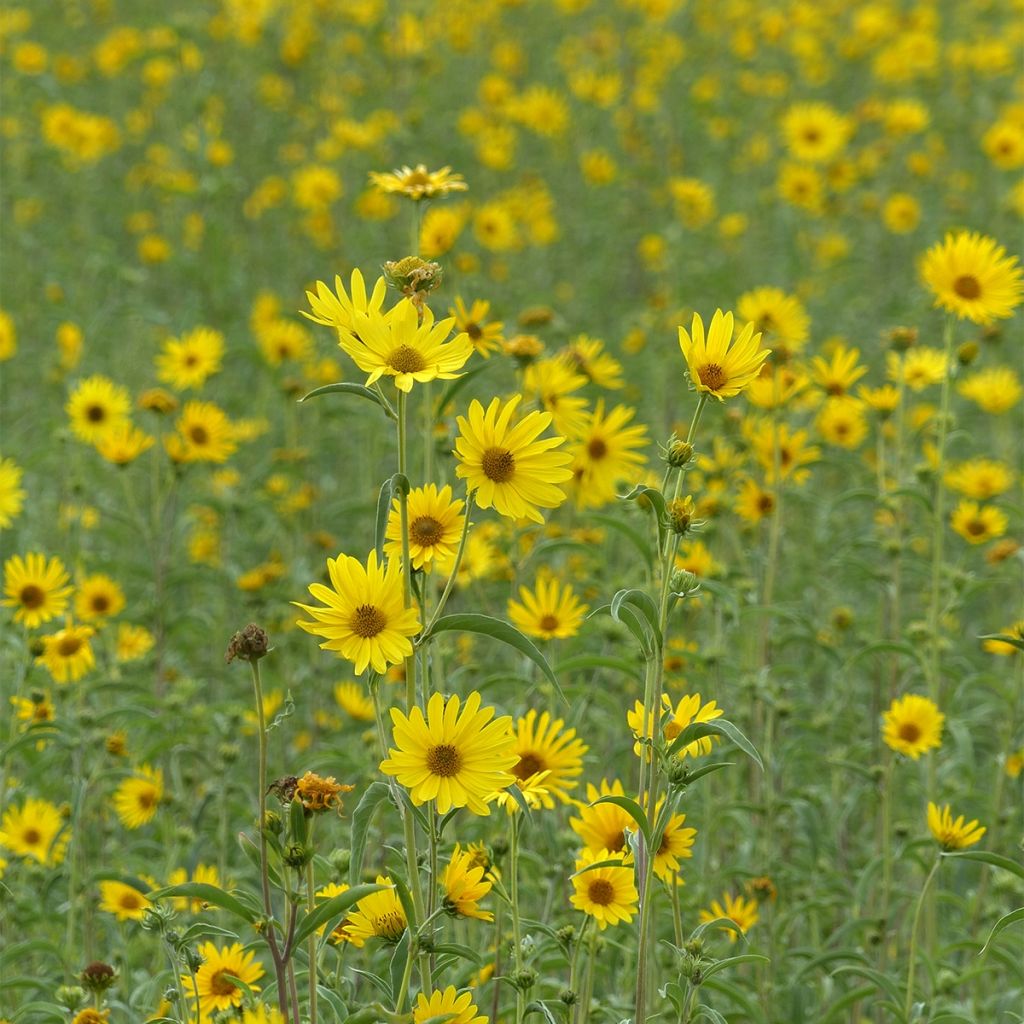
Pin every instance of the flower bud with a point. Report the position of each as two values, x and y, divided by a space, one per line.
677 453
97 977
251 644
412 276
680 514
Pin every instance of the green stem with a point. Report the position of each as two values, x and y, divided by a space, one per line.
909 1002
517 934
310 907
443 600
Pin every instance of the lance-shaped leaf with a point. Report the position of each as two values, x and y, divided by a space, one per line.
720 726
208 894
345 388
333 907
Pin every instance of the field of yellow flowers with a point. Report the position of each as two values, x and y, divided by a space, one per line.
510 510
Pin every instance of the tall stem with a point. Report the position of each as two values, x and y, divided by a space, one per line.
517 933
912 965
310 907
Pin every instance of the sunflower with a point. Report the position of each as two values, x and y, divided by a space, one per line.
67 654
552 383
281 340
339 933
35 830
379 915
417 182
815 132
187 362
913 726
405 346
603 826
352 699
94 405
93 1016
204 873
364 619
532 791
837 374
205 434
794 453
754 503
551 610
777 385
950 834
676 842
842 421
36 587
741 911
11 495
978 523
607 452
781 319
608 894
98 597
689 709
465 885
717 366
506 466
883 400
122 443
696 557
980 479
994 390
587 356
137 798
217 991
35 709
125 902
919 368
336 309
435 527
448 1006
485 337
457 760
970 275
545 745
133 642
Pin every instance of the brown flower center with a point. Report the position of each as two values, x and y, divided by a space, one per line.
68 646
499 465
616 842
146 799
389 925
975 527
712 376
406 359
474 331
199 434
765 503
444 760
130 901
31 836
597 449
601 892
368 621
548 623
529 764
32 596
425 531
220 986
967 286
100 603
95 414
910 732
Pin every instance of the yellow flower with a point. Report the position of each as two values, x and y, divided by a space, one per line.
546 747
133 642
448 1006
441 228
204 434
980 479
688 710
780 451
98 597
137 798
435 528
913 726
978 523
122 443
815 132
901 213
607 452
457 760
754 503
67 654
1004 144
187 362
741 911
505 465
676 842
550 611
603 826
995 390
125 902
213 982
486 337
918 368
94 405
465 885
379 915
338 310
317 793
8 337
352 699
364 618
206 873
35 830
36 587
608 894
950 834
781 319
971 276
840 372
419 183
717 366
842 422
12 496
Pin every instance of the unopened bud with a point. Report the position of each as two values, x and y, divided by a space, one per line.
251 644
680 514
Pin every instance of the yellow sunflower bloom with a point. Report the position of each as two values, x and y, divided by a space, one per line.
913 726
718 366
465 885
608 894
950 834
435 528
36 587
68 654
379 915
12 497
138 797
740 910
550 611
213 982
124 901
35 830
337 309
448 1006
418 183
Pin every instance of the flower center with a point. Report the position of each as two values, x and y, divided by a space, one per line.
95 413
499 465
617 842
198 434
406 359
765 503
389 925
910 732
68 646
31 837
220 986
367 621
548 623
474 331
529 764
597 449
416 178
191 359
975 527
32 596
967 287
601 892
444 760
100 603
712 376
146 799
130 901
425 531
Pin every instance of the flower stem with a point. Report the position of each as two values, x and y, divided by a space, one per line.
911 966
517 934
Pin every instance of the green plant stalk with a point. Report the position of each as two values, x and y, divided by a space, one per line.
517 933
312 941
268 909
574 966
450 584
912 964
691 995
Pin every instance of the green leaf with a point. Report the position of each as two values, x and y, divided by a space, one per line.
720 726
538 1007
644 603
456 949
633 536
208 894
585 661
634 810
708 769
373 796
612 862
333 907
733 961
1004 922
984 857
725 922
485 625
881 981
1013 641
345 388
657 504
